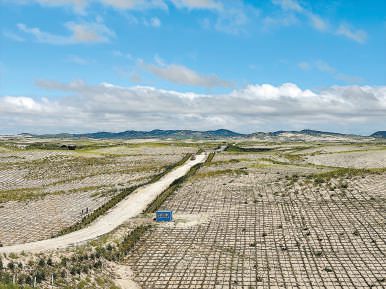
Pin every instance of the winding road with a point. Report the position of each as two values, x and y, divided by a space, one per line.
131 206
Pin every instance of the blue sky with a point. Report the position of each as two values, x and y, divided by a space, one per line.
53 52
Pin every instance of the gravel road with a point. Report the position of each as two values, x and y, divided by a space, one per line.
130 207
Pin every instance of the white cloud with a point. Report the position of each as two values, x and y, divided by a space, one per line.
135 4
183 75
324 67
270 92
79 6
255 107
77 60
198 4
25 105
327 68
294 6
358 35
317 22
119 53
285 20
79 33
291 5
232 20
153 22
231 15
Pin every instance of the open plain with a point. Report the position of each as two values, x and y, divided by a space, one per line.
44 189
283 214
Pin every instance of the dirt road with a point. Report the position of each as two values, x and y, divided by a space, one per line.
128 208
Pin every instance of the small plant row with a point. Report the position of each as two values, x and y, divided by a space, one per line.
119 251
156 204
342 172
12 286
169 168
57 146
98 212
210 158
116 199
44 271
67 269
210 174
237 149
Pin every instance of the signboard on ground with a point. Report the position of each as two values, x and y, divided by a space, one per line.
164 216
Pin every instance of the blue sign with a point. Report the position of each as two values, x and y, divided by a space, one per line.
164 216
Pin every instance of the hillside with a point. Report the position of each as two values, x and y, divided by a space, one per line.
380 134
305 134
162 134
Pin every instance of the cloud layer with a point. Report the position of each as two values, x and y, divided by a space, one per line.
316 21
89 32
183 75
231 16
80 5
253 108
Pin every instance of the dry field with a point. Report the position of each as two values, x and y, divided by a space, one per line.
256 216
45 190
355 159
268 226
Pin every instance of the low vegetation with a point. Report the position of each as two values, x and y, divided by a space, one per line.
244 219
155 205
238 149
89 218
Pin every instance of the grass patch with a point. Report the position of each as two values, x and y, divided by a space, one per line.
20 195
26 194
13 286
231 161
293 158
209 159
122 249
237 149
275 162
222 172
259 166
342 172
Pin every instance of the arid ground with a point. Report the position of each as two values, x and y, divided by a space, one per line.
261 214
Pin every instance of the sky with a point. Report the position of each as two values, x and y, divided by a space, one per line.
113 65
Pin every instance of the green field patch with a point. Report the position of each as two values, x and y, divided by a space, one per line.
238 149
241 171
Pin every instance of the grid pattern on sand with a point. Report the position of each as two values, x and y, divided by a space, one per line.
261 235
367 159
22 222
42 192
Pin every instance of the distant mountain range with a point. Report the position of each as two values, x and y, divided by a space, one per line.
210 134
307 132
157 133
381 134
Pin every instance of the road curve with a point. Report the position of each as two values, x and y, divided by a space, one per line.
129 207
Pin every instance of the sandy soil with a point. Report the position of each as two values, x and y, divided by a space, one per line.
133 205
261 230
369 159
326 149
124 276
